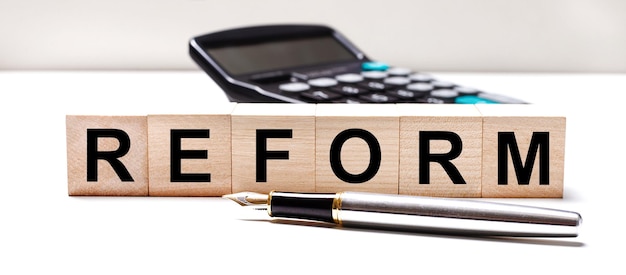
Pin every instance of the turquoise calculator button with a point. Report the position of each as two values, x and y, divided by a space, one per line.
374 66
472 99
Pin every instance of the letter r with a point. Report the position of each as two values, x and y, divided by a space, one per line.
112 157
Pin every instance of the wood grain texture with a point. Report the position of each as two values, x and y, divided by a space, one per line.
522 122
108 182
294 173
468 151
461 121
381 121
216 146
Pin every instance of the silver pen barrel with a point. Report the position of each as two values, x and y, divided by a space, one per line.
421 214
441 215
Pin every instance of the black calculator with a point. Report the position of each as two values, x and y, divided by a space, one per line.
316 64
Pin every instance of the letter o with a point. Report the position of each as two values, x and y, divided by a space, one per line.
335 155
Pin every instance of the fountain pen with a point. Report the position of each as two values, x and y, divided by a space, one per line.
414 213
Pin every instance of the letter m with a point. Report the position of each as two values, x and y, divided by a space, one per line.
540 142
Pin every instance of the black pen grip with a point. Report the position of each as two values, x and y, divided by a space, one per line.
302 206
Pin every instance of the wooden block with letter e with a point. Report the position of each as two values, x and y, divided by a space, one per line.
273 147
190 155
440 150
523 151
107 155
357 148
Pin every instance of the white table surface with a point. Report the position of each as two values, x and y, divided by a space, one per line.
45 231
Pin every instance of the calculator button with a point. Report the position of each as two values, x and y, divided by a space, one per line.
404 94
466 90
348 100
322 82
398 71
442 84
472 99
349 90
420 87
420 77
445 94
349 78
431 100
374 86
320 95
374 74
374 66
397 81
378 98
294 87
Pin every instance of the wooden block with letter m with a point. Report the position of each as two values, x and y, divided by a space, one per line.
523 151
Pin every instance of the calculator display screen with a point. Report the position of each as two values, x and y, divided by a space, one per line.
283 54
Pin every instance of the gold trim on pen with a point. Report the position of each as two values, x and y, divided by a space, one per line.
336 208
269 203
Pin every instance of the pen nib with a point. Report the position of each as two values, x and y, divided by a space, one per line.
248 199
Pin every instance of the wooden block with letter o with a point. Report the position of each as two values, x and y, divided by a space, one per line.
273 147
190 155
107 155
357 148
440 150
523 151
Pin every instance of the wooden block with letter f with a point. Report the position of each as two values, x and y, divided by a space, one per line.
107 155
523 153
190 155
273 147
357 148
440 150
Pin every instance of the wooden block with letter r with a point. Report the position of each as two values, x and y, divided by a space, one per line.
107 155
273 147
440 150
523 151
190 155
357 148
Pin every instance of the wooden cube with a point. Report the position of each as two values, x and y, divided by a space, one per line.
440 150
107 155
357 148
523 151
273 147
190 155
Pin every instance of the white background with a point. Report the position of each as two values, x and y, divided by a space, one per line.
44 231
445 35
